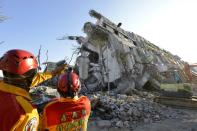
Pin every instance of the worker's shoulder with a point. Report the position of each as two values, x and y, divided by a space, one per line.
85 100
67 101
84 97
8 99
10 104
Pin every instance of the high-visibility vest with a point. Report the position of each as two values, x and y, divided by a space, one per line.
66 114
16 112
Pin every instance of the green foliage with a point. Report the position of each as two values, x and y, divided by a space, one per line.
187 87
177 87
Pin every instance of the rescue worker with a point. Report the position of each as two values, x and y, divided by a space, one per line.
69 112
19 70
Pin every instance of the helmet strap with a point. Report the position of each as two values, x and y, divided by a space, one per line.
69 84
68 81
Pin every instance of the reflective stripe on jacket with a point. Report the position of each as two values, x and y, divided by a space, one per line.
66 114
16 112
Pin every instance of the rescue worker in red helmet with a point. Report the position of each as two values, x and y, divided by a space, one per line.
19 70
69 112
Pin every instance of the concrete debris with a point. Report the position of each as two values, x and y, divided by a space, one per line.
129 111
41 95
114 58
119 124
115 110
104 123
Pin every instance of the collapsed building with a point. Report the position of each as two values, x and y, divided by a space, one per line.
112 57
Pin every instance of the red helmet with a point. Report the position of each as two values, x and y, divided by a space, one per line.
18 61
69 82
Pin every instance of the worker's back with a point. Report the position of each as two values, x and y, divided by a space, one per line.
16 111
66 114
13 109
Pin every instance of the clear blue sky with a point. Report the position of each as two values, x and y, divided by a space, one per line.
170 24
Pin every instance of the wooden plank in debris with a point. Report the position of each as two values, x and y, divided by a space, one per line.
177 102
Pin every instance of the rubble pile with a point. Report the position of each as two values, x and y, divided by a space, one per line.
110 109
128 111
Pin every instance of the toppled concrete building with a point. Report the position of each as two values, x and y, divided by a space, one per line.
112 57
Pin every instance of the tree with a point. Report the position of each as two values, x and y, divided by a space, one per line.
1 42
2 17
